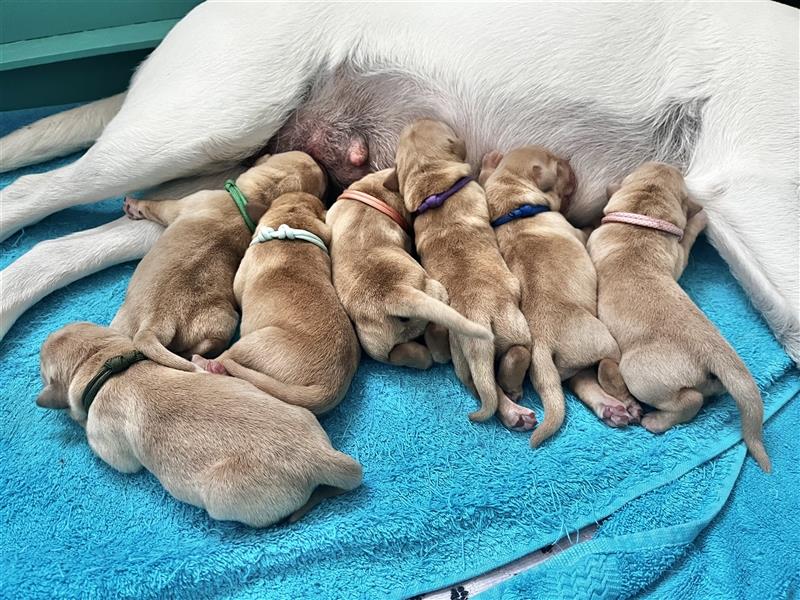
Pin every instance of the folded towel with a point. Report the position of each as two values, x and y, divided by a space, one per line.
443 499
650 548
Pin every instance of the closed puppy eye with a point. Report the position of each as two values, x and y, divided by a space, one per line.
403 319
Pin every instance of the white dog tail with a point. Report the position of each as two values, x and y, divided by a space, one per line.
547 383
147 342
416 304
733 374
58 135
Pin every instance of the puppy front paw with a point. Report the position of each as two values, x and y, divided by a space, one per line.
131 208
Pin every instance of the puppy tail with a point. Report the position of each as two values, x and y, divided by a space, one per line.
341 475
316 398
58 135
416 304
731 371
547 383
148 343
480 358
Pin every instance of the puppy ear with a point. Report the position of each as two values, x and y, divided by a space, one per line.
459 148
692 207
612 188
545 178
50 398
256 211
391 182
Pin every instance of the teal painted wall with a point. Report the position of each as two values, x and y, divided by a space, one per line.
55 52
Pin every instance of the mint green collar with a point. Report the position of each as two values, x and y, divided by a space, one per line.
241 203
284 232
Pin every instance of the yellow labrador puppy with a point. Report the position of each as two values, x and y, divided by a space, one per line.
457 247
526 189
387 294
672 356
180 299
297 342
214 442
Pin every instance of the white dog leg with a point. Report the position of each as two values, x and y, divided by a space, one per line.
57 135
52 264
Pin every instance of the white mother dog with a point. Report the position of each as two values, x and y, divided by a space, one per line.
709 87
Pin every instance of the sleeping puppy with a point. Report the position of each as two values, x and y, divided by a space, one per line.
215 442
180 299
672 356
458 248
525 190
297 342
387 294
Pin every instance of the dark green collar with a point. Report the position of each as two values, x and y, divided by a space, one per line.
114 365
241 203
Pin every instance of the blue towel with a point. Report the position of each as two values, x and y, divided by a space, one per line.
443 499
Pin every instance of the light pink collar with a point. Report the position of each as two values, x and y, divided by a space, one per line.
644 221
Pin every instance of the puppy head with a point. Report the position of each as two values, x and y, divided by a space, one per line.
529 174
62 353
656 190
430 158
277 174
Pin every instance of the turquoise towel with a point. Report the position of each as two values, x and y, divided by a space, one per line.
443 499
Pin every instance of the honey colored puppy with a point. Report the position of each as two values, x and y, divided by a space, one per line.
672 356
457 247
297 342
387 294
180 298
215 442
525 190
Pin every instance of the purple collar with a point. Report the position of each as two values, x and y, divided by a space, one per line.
436 200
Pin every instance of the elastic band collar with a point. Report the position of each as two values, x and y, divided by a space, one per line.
241 203
378 205
284 232
644 221
526 210
436 200
114 365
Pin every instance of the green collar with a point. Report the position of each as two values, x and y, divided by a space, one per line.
114 365
241 203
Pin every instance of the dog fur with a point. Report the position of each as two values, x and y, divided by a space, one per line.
257 462
457 247
387 294
364 72
297 342
559 287
180 299
671 354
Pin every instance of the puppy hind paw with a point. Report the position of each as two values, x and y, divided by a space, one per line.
615 415
516 417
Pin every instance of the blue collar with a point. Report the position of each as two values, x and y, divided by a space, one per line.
526 210
436 200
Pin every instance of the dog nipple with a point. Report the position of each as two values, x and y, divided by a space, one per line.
357 152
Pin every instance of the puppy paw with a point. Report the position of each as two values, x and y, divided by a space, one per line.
635 410
655 423
615 415
516 417
131 208
491 159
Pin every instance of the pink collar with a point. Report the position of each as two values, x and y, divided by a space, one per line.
644 221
